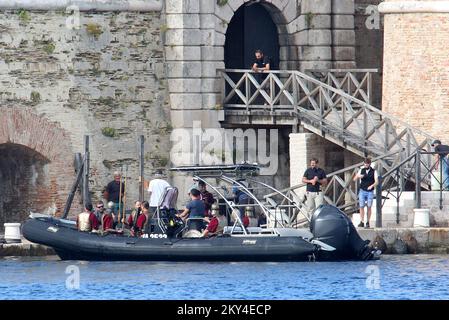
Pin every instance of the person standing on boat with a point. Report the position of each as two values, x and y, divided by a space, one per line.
156 189
87 221
114 193
442 158
241 198
368 182
194 210
207 197
314 177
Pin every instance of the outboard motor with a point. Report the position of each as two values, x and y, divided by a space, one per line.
333 227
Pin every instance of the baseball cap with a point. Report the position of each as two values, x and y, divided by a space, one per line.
436 142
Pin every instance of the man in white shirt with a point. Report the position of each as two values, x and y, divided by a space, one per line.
156 189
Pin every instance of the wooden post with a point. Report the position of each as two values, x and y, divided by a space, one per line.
379 202
71 195
86 196
141 164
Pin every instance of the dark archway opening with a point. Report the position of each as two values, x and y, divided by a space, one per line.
251 28
24 183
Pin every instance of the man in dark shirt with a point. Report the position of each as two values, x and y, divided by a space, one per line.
194 210
441 156
314 177
207 197
262 65
114 193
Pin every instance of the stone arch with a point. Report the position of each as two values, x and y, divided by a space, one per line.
36 162
280 12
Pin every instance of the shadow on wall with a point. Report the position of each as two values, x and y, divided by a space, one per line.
24 183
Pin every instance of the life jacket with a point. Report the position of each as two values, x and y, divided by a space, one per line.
84 222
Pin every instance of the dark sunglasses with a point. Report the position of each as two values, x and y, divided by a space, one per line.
99 207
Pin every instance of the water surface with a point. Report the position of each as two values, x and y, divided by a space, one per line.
392 277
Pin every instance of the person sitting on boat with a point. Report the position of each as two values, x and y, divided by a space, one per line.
99 210
194 210
207 197
134 216
216 224
87 221
138 228
107 221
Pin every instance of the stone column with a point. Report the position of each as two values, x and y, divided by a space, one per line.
416 65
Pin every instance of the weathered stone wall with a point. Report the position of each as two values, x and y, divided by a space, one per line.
416 68
105 79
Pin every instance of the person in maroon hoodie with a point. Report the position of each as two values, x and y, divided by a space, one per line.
107 221
138 227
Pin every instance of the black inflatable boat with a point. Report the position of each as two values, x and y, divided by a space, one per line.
331 237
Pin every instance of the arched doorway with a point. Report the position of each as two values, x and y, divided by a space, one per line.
24 183
251 28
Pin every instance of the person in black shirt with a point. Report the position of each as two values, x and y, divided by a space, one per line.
368 181
314 177
113 194
262 65
441 156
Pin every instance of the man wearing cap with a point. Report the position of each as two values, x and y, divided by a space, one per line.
156 189
114 193
442 152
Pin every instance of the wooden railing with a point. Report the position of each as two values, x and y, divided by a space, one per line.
355 82
323 109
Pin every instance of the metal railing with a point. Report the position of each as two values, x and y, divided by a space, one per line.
340 191
394 181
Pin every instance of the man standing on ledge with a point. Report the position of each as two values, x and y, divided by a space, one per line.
441 158
314 177
368 181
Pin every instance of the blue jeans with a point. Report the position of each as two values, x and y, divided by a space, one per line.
445 169
366 197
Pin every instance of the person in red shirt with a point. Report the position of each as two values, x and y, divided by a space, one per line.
216 224
138 228
107 220
87 221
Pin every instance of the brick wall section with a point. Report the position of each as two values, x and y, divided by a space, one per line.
36 165
109 73
416 70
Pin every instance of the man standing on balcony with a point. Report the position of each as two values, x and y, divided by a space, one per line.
261 65
368 181
441 156
314 177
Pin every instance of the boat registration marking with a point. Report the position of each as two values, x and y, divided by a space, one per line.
249 241
52 229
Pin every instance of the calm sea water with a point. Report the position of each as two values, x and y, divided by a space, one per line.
392 277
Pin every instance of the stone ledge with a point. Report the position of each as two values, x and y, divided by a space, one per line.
414 7
25 249
83 5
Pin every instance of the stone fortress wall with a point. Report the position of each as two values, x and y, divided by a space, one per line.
138 67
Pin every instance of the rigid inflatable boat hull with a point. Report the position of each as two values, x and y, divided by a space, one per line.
71 244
